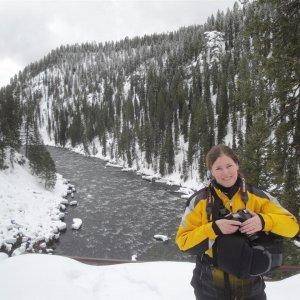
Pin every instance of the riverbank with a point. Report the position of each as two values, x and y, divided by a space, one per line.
186 188
30 215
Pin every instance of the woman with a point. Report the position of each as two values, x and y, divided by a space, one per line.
206 230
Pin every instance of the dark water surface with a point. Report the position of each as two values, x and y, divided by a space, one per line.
120 211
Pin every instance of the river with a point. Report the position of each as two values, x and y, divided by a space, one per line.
120 211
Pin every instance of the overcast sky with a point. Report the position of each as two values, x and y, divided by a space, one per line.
30 29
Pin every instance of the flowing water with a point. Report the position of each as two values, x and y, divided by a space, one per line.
120 211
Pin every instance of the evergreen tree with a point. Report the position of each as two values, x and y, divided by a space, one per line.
169 149
223 110
10 118
40 161
275 25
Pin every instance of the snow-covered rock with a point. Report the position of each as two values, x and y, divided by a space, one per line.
64 202
73 203
10 240
76 223
61 226
61 215
185 190
147 177
8 247
71 188
62 207
43 245
134 257
161 237
19 250
25 239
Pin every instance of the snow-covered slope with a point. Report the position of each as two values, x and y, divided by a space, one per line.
50 106
27 210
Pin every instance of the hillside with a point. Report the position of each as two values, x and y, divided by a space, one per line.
159 102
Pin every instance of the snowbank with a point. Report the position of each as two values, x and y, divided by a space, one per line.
38 276
41 276
29 214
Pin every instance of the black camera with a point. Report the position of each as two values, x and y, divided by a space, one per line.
242 215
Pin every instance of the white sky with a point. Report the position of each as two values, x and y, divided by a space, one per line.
31 29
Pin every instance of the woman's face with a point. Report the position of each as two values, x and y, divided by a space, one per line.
225 171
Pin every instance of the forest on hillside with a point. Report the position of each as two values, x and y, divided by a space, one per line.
167 98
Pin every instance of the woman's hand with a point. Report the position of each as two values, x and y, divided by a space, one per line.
228 226
251 225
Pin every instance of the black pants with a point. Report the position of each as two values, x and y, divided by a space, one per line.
205 297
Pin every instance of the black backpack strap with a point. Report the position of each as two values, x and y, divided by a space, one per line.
244 194
209 204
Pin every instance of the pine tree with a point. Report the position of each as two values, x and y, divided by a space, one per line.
76 128
223 110
10 118
275 25
40 161
169 149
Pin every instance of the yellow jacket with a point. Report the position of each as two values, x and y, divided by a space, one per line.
196 234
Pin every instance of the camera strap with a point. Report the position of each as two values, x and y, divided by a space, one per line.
214 208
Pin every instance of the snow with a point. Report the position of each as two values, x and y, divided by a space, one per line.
161 237
215 45
186 191
113 165
76 223
134 257
28 213
42 276
3 256
19 250
297 243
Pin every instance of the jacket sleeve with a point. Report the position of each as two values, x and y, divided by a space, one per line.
277 219
193 236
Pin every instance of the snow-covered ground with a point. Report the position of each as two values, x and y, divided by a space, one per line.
29 214
48 277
